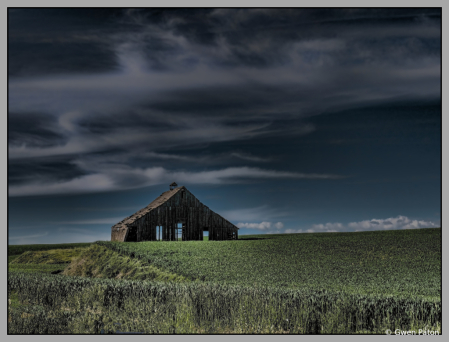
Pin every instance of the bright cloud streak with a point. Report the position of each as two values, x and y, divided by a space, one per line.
123 177
261 226
399 222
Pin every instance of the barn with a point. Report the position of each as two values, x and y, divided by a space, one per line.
175 215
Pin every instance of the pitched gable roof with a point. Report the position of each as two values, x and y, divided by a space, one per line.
164 197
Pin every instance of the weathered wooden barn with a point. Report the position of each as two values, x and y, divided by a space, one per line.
175 215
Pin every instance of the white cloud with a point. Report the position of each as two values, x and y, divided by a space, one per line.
328 227
399 222
262 226
279 225
293 231
311 230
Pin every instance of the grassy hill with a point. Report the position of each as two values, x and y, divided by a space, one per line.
19 249
291 283
100 262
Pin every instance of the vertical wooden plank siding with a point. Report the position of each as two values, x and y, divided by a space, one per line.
182 208
167 228
190 224
153 224
169 224
211 228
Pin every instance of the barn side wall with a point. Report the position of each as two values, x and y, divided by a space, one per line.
183 208
118 235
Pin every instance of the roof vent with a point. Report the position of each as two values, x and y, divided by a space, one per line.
173 185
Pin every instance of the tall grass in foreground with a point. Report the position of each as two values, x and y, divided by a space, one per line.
58 304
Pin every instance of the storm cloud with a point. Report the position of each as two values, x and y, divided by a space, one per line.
99 82
281 118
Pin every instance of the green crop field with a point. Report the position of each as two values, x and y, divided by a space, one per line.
401 263
299 283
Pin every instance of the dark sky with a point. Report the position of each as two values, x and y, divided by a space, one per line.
281 120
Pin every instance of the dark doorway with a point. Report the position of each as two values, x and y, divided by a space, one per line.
132 234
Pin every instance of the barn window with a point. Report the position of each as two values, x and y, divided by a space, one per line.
178 232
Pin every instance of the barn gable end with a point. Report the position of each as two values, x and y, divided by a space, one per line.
160 220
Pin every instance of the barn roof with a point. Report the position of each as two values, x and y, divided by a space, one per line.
164 197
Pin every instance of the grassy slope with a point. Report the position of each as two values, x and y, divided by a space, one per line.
94 261
100 262
54 256
43 261
19 249
401 263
